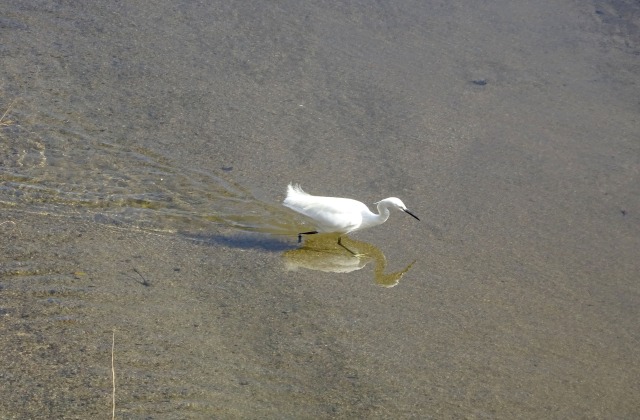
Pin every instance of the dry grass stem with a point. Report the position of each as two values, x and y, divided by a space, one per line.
8 122
113 376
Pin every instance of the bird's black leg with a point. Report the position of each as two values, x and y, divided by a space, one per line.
305 233
340 243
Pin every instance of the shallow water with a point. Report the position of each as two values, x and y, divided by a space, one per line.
145 149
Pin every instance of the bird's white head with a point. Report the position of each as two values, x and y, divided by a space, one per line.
392 202
395 203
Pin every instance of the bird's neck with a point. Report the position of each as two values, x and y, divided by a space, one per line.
373 219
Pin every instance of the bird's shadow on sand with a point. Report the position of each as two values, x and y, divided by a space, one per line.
244 241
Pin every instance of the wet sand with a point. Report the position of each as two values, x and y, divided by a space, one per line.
146 148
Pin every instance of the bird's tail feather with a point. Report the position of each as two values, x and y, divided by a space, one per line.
295 189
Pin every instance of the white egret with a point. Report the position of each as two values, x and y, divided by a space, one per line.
339 215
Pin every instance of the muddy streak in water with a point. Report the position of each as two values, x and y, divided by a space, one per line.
143 140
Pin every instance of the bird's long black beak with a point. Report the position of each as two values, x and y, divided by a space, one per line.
414 216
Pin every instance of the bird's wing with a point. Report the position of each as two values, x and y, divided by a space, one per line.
330 214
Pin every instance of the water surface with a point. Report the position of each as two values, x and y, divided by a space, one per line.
145 149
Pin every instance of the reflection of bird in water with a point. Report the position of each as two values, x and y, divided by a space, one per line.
322 253
339 215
